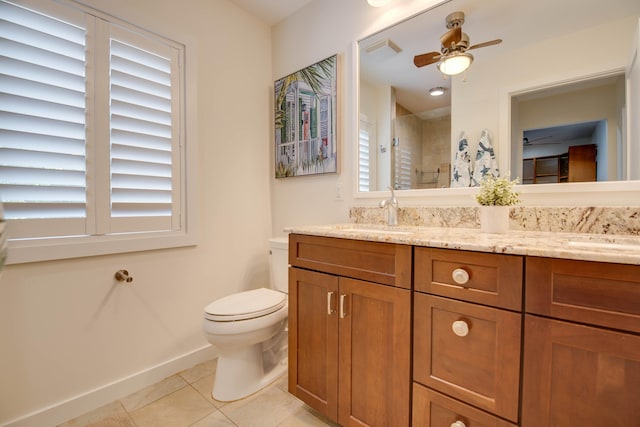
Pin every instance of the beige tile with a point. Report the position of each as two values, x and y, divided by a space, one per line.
199 371
204 386
179 409
283 382
217 419
267 408
154 392
111 415
307 417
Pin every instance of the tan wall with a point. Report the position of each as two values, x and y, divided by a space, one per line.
67 328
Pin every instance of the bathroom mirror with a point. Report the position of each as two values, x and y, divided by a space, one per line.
408 138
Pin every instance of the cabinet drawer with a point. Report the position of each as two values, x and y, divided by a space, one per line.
493 279
384 263
431 408
481 366
597 293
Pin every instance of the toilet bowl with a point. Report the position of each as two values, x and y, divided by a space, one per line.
249 330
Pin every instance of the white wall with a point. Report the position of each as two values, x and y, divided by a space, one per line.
326 27
66 327
491 81
590 104
321 29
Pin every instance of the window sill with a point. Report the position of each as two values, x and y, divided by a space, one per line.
50 249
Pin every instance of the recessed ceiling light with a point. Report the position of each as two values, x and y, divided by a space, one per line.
436 91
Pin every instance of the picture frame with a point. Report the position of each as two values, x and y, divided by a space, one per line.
306 120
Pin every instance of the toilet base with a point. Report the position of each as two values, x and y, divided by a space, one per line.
241 373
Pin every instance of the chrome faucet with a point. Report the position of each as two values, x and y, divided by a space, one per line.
392 208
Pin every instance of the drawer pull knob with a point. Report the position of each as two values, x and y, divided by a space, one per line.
460 328
458 424
460 276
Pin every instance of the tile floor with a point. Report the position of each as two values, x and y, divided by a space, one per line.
184 400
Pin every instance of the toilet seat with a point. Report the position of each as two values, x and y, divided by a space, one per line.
245 305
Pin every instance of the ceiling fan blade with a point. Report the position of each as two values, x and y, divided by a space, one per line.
538 141
540 138
451 37
485 44
426 59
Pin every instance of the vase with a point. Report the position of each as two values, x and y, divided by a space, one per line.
494 219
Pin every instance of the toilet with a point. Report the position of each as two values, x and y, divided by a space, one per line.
249 330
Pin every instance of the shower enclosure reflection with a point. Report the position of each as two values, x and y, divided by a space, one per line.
422 151
412 151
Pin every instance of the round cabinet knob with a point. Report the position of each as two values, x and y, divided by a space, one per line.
460 276
461 329
458 424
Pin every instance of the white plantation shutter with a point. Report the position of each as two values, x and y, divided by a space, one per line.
42 123
363 160
143 148
91 134
402 167
366 159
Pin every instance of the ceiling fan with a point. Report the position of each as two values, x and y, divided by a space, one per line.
538 141
453 57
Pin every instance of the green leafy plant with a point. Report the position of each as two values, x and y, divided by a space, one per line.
314 76
497 192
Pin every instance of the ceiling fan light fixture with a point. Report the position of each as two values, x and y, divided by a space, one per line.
437 91
378 3
455 63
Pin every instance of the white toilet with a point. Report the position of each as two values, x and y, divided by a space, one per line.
249 330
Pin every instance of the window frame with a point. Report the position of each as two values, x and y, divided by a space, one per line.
24 250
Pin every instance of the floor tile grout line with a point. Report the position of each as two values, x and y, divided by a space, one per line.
215 409
129 416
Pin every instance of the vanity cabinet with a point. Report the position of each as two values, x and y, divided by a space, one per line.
457 338
349 329
582 344
467 337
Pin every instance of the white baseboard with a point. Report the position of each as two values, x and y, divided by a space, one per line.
93 399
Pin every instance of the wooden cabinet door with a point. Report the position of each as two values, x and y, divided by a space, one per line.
576 375
468 351
582 163
313 340
374 367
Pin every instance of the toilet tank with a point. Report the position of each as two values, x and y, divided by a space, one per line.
279 263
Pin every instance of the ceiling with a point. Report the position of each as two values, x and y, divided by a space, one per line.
271 11
486 20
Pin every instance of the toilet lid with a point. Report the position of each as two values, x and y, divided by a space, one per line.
245 305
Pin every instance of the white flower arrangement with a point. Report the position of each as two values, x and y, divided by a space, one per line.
497 192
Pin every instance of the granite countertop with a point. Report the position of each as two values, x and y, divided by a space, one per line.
579 246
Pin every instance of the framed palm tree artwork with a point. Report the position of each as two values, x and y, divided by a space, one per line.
305 121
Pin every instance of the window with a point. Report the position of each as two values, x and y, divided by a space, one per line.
366 178
92 147
402 167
